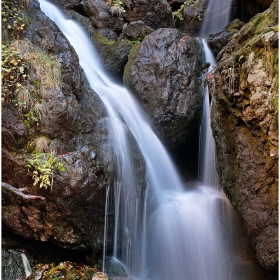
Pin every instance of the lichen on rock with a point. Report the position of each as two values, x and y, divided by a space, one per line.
245 126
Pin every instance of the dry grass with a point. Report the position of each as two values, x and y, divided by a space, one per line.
44 69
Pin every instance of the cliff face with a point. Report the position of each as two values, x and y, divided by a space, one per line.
245 127
72 123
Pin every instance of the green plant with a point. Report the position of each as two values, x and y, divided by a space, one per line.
27 76
117 7
14 19
178 14
43 165
14 74
45 71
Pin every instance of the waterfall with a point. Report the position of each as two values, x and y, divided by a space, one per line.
26 265
162 231
207 156
216 17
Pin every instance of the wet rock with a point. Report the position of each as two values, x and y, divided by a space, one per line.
245 123
137 30
85 22
100 15
234 25
65 270
113 53
12 264
115 56
43 33
219 40
74 126
192 15
163 73
66 4
114 269
154 13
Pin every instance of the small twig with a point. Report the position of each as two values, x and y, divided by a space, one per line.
19 192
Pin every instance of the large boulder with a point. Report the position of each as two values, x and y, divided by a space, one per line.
73 123
245 125
163 72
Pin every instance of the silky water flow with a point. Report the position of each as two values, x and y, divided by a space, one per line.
162 231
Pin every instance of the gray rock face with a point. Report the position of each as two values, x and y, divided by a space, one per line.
192 16
163 73
245 126
12 265
219 40
137 30
100 15
154 13
44 34
67 4
114 57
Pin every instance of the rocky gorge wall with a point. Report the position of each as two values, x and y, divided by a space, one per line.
245 126
73 124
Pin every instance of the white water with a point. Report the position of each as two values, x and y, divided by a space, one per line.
162 232
26 265
216 17
207 158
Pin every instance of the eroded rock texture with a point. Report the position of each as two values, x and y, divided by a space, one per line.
192 16
154 13
245 125
163 73
73 124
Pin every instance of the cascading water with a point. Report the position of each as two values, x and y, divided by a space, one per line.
217 16
162 231
26 265
207 168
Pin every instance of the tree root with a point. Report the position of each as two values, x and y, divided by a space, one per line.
19 192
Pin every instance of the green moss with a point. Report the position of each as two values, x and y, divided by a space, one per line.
234 26
275 104
112 54
264 20
56 272
14 19
131 56
29 147
101 41
275 60
73 274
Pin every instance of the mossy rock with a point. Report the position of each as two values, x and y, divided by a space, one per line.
132 54
65 270
114 56
234 25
